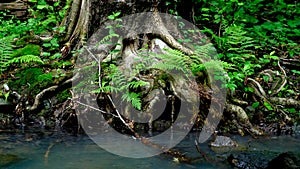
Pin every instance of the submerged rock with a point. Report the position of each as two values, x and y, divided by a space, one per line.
264 160
250 160
285 161
7 159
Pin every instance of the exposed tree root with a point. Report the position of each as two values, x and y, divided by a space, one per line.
40 95
274 82
285 101
242 119
278 81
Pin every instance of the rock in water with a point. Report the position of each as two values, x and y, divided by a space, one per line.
250 160
285 161
7 159
223 144
223 141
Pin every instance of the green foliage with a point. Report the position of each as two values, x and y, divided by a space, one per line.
271 24
33 79
15 33
52 44
45 21
63 95
296 72
268 106
255 105
172 60
116 82
246 33
6 53
24 40
237 50
20 56
169 61
25 59
250 36
134 99
6 95
48 16
29 49
114 16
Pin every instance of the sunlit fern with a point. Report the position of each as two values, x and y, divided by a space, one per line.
25 59
5 53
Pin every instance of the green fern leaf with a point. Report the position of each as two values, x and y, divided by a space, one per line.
5 53
25 59
133 98
136 84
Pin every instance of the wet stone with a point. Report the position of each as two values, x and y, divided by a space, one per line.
285 161
223 141
223 144
250 160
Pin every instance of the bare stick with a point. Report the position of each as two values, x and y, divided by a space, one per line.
91 107
48 150
98 61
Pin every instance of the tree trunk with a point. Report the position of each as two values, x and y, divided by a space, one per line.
86 17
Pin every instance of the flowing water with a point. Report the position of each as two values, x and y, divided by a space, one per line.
80 152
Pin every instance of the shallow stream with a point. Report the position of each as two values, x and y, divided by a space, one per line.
80 152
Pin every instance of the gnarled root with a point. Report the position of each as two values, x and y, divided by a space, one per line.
243 122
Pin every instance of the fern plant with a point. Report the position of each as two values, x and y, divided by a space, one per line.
237 50
116 82
24 59
5 53
170 60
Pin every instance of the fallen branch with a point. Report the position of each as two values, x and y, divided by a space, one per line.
48 150
200 152
50 147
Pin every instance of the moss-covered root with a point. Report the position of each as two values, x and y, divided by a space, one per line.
242 118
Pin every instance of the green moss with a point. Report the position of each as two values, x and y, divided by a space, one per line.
63 95
24 40
33 79
29 49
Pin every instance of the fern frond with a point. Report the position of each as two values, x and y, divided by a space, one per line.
25 59
5 53
118 79
172 60
107 38
167 67
134 98
137 84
